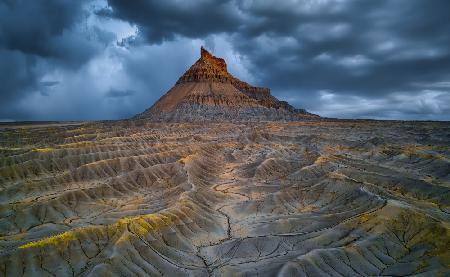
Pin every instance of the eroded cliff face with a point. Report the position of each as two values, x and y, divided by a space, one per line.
207 68
207 91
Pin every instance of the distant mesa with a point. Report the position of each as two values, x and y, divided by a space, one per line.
207 91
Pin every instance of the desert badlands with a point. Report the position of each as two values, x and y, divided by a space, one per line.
220 178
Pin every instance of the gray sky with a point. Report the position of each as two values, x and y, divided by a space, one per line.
75 60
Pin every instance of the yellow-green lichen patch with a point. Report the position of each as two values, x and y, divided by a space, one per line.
364 217
415 229
138 225
42 150
10 148
141 225
81 144
59 239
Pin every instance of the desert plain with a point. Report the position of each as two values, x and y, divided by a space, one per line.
306 198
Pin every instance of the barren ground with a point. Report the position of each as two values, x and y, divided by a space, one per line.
344 198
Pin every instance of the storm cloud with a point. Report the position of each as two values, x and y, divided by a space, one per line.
386 59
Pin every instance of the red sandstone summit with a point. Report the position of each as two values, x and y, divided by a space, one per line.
207 91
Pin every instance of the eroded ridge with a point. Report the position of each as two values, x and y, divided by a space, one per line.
134 198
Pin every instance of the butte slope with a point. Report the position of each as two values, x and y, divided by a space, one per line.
207 91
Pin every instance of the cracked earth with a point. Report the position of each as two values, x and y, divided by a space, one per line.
133 198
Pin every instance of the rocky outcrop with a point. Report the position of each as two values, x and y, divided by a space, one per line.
208 91
207 69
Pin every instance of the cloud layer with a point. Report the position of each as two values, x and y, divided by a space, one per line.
386 59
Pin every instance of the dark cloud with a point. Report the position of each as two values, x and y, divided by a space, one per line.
114 93
28 26
38 37
370 49
364 47
44 87
342 58
46 30
164 20
49 83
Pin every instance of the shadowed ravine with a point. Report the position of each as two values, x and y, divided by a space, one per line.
356 198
